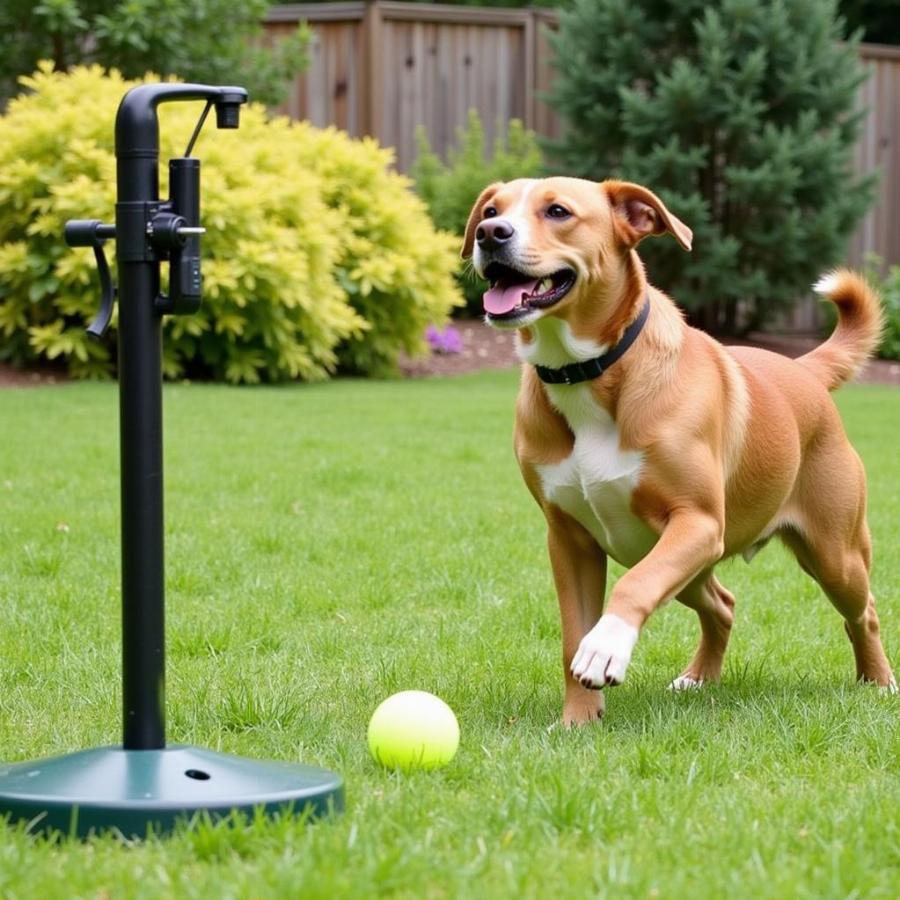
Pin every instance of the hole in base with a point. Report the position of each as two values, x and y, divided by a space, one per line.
198 774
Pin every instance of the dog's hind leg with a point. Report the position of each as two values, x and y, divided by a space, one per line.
842 570
714 606
830 538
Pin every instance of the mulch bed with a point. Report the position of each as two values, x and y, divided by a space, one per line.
30 377
485 348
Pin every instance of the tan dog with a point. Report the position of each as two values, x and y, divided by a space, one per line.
684 452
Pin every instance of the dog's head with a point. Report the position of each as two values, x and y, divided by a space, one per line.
546 245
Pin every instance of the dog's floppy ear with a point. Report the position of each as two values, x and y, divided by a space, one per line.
639 212
475 218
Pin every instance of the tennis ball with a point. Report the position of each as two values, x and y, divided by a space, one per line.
413 730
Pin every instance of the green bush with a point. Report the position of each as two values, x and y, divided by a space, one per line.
394 267
890 344
315 253
210 41
450 190
889 288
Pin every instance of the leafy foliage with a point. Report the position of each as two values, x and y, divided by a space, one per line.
508 4
396 270
197 40
890 344
450 189
315 253
740 114
888 286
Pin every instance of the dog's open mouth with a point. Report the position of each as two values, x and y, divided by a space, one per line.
513 293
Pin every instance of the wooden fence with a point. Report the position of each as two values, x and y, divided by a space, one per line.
878 150
383 68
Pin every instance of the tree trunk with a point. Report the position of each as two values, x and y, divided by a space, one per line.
59 62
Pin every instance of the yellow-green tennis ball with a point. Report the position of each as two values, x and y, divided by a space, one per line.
413 730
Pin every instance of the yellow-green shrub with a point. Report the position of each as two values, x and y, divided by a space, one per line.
307 259
396 269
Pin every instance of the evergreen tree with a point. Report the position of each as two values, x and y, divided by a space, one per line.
741 115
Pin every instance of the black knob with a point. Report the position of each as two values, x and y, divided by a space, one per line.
165 231
228 115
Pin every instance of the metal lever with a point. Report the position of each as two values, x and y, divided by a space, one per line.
93 233
167 232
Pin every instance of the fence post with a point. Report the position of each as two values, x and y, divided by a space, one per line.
530 66
372 88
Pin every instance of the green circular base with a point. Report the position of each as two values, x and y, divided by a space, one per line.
134 791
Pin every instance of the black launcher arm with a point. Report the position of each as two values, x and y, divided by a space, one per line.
148 229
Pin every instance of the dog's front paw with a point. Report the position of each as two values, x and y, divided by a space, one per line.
582 707
604 653
686 683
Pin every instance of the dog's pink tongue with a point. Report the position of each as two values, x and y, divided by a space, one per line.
499 300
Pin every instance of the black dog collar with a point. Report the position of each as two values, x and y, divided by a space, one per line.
594 368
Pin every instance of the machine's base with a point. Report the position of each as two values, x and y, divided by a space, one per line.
134 791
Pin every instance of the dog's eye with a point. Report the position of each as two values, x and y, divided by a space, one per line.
489 212
555 211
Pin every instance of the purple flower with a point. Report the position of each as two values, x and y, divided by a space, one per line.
446 341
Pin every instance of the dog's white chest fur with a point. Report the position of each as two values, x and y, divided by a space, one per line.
595 483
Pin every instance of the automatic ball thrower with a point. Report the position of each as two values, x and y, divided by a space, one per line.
144 783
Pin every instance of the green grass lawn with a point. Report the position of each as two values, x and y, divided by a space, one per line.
330 545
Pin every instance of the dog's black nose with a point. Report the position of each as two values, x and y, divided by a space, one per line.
491 233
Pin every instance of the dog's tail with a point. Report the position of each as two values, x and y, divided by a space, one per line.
858 331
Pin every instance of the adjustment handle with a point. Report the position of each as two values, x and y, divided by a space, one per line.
98 327
93 233
87 232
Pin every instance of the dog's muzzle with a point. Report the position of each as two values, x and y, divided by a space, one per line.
513 294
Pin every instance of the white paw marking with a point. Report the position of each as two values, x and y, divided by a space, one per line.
890 688
685 683
604 652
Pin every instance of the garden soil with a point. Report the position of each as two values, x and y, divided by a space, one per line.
485 348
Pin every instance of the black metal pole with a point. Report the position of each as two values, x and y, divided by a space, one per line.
140 429
140 397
